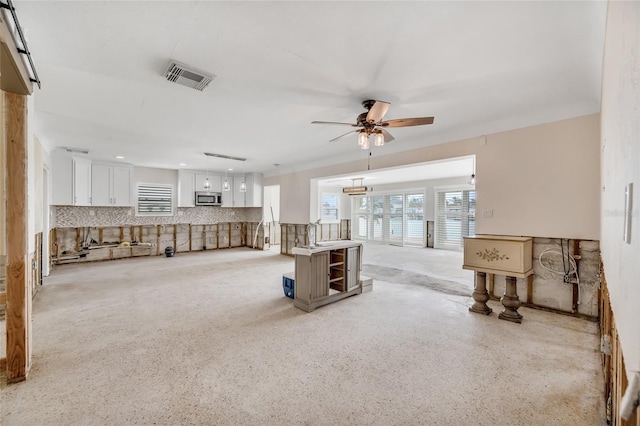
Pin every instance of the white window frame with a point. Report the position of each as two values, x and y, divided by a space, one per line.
330 219
437 191
160 187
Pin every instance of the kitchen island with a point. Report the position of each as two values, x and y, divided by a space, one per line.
326 273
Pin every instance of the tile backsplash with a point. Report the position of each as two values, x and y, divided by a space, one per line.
72 216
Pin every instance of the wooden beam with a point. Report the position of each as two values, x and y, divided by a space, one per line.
3 298
18 309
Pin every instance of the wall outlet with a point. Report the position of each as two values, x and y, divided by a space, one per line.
129 212
92 212
180 213
487 214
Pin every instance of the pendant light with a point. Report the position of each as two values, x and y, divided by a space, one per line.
225 184
472 181
243 185
207 184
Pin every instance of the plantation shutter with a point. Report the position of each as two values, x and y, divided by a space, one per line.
455 218
155 199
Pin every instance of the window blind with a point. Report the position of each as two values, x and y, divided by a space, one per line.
455 218
155 200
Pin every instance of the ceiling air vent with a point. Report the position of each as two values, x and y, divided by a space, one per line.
188 76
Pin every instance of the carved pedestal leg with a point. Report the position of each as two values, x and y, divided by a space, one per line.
510 302
480 295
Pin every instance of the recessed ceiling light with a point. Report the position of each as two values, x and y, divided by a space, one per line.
119 157
230 169
183 164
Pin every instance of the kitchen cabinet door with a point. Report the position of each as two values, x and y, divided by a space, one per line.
100 185
227 196
82 182
253 196
238 196
186 189
353 268
214 180
121 178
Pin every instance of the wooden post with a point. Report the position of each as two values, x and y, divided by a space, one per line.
18 308
158 240
78 240
175 238
576 293
530 289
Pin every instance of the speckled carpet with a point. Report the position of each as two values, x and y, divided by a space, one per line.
209 338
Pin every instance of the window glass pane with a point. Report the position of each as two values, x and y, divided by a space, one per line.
329 211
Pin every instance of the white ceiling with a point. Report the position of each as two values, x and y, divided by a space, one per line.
478 67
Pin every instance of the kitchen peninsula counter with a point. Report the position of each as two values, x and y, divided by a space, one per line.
326 273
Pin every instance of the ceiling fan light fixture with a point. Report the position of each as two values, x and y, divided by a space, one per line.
378 138
363 139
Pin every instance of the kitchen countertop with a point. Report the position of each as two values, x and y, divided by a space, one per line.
324 246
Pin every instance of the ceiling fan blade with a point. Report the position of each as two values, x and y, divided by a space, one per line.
335 123
346 134
387 136
406 122
377 111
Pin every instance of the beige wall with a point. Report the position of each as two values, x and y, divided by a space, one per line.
153 175
540 181
620 166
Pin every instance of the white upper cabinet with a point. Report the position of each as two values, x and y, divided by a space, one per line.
71 180
215 182
252 197
186 188
122 186
254 194
111 185
190 182
227 196
238 197
81 182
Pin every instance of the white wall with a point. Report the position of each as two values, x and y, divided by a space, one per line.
271 203
539 181
620 165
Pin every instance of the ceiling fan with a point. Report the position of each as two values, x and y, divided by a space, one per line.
370 123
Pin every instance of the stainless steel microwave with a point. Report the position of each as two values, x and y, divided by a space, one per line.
206 198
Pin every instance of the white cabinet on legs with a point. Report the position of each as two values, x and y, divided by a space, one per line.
111 185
